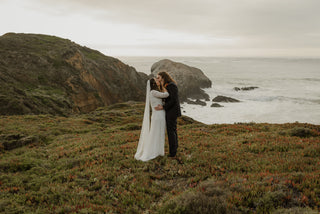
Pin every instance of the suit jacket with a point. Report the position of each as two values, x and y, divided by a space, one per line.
172 104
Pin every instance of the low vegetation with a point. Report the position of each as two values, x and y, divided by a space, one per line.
84 164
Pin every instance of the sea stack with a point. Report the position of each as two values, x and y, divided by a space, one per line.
190 80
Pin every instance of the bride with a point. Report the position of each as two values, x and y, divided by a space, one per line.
152 137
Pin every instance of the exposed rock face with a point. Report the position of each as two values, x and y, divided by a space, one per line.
197 102
216 105
245 88
12 141
224 99
190 80
46 74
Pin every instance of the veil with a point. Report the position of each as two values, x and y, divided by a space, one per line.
144 135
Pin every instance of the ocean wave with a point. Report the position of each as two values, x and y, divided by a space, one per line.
288 88
284 99
311 79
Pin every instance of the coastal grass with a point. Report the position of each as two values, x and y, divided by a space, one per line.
85 164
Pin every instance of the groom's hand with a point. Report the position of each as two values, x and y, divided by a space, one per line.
158 107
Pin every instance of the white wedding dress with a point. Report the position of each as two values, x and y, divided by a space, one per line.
152 136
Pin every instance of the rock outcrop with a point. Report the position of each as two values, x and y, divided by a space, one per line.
224 99
190 80
42 74
216 105
12 141
245 88
197 102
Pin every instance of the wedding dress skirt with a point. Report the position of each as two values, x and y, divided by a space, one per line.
155 144
151 144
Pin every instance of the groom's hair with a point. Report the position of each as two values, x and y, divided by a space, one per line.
166 77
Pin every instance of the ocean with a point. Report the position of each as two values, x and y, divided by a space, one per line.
288 88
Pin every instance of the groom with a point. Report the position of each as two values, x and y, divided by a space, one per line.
172 108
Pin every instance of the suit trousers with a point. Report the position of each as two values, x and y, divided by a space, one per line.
172 136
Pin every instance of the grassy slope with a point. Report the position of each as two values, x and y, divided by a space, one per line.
85 164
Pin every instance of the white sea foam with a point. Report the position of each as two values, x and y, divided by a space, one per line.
289 89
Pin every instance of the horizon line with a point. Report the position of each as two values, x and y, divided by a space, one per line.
199 56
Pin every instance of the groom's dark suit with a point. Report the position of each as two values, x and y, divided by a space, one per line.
172 108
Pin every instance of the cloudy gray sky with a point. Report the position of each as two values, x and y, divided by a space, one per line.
285 28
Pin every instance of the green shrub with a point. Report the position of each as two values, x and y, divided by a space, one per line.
193 203
301 132
209 198
270 201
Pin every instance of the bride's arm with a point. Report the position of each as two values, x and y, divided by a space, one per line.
159 94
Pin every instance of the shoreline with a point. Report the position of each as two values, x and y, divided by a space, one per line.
205 115
142 103
279 98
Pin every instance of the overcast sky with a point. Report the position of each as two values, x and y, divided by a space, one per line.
286 28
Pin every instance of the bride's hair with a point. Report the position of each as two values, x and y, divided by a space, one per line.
166 77
153 85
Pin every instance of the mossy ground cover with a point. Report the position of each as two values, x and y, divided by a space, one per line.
84 164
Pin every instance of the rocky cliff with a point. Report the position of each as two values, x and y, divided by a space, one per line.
190 80
46 74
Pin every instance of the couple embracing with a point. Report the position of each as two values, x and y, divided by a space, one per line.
162 97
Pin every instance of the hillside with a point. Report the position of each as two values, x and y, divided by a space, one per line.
41 74
84 163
